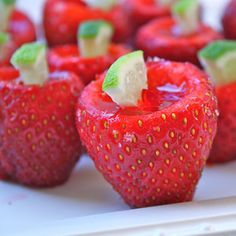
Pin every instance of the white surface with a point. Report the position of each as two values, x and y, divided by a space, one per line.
78 207
87 194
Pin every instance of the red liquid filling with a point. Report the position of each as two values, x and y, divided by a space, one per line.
162 93
156 99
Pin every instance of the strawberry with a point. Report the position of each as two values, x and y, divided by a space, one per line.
224 144
158 38
218 59
67 58
229 20
153 153
39 142
62 17
143 11
21 30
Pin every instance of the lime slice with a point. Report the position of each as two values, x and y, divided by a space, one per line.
4 39
31 61
219 60
186 13
6 8
102 4
165 2
126 79
94 38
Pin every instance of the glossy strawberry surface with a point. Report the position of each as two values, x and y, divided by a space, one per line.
39 144
142 11
224 148
21 30
229 20
162 38
154 153
62 18
67 58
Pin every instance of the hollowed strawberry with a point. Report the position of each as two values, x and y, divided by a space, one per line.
39 143
153 153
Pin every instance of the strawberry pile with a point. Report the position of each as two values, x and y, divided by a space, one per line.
148 123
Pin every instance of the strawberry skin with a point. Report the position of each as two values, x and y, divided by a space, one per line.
142 11
157 38
224 148
229 20
67 58
39 143
62 18
155 153
21 30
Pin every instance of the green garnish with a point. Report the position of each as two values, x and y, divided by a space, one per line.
4 38
219 60
94 38
9 2
31 61
126 79
186 13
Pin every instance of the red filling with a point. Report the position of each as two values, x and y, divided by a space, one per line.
165 88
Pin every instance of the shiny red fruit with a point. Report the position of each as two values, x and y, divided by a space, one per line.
154 153
21 30
39 143
163 39
62 18
224 148
67 58
142 11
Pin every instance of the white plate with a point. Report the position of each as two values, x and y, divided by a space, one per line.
87 205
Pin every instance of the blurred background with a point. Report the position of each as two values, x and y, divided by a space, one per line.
213 10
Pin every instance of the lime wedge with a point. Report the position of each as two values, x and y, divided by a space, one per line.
31 61
6 8
126 79
94 38
102 4
219 60
186 13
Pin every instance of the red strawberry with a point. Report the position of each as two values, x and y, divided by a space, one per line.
229 20
142 11
21 30
62 19
39 144
158 38
154 153
67 58
224 148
